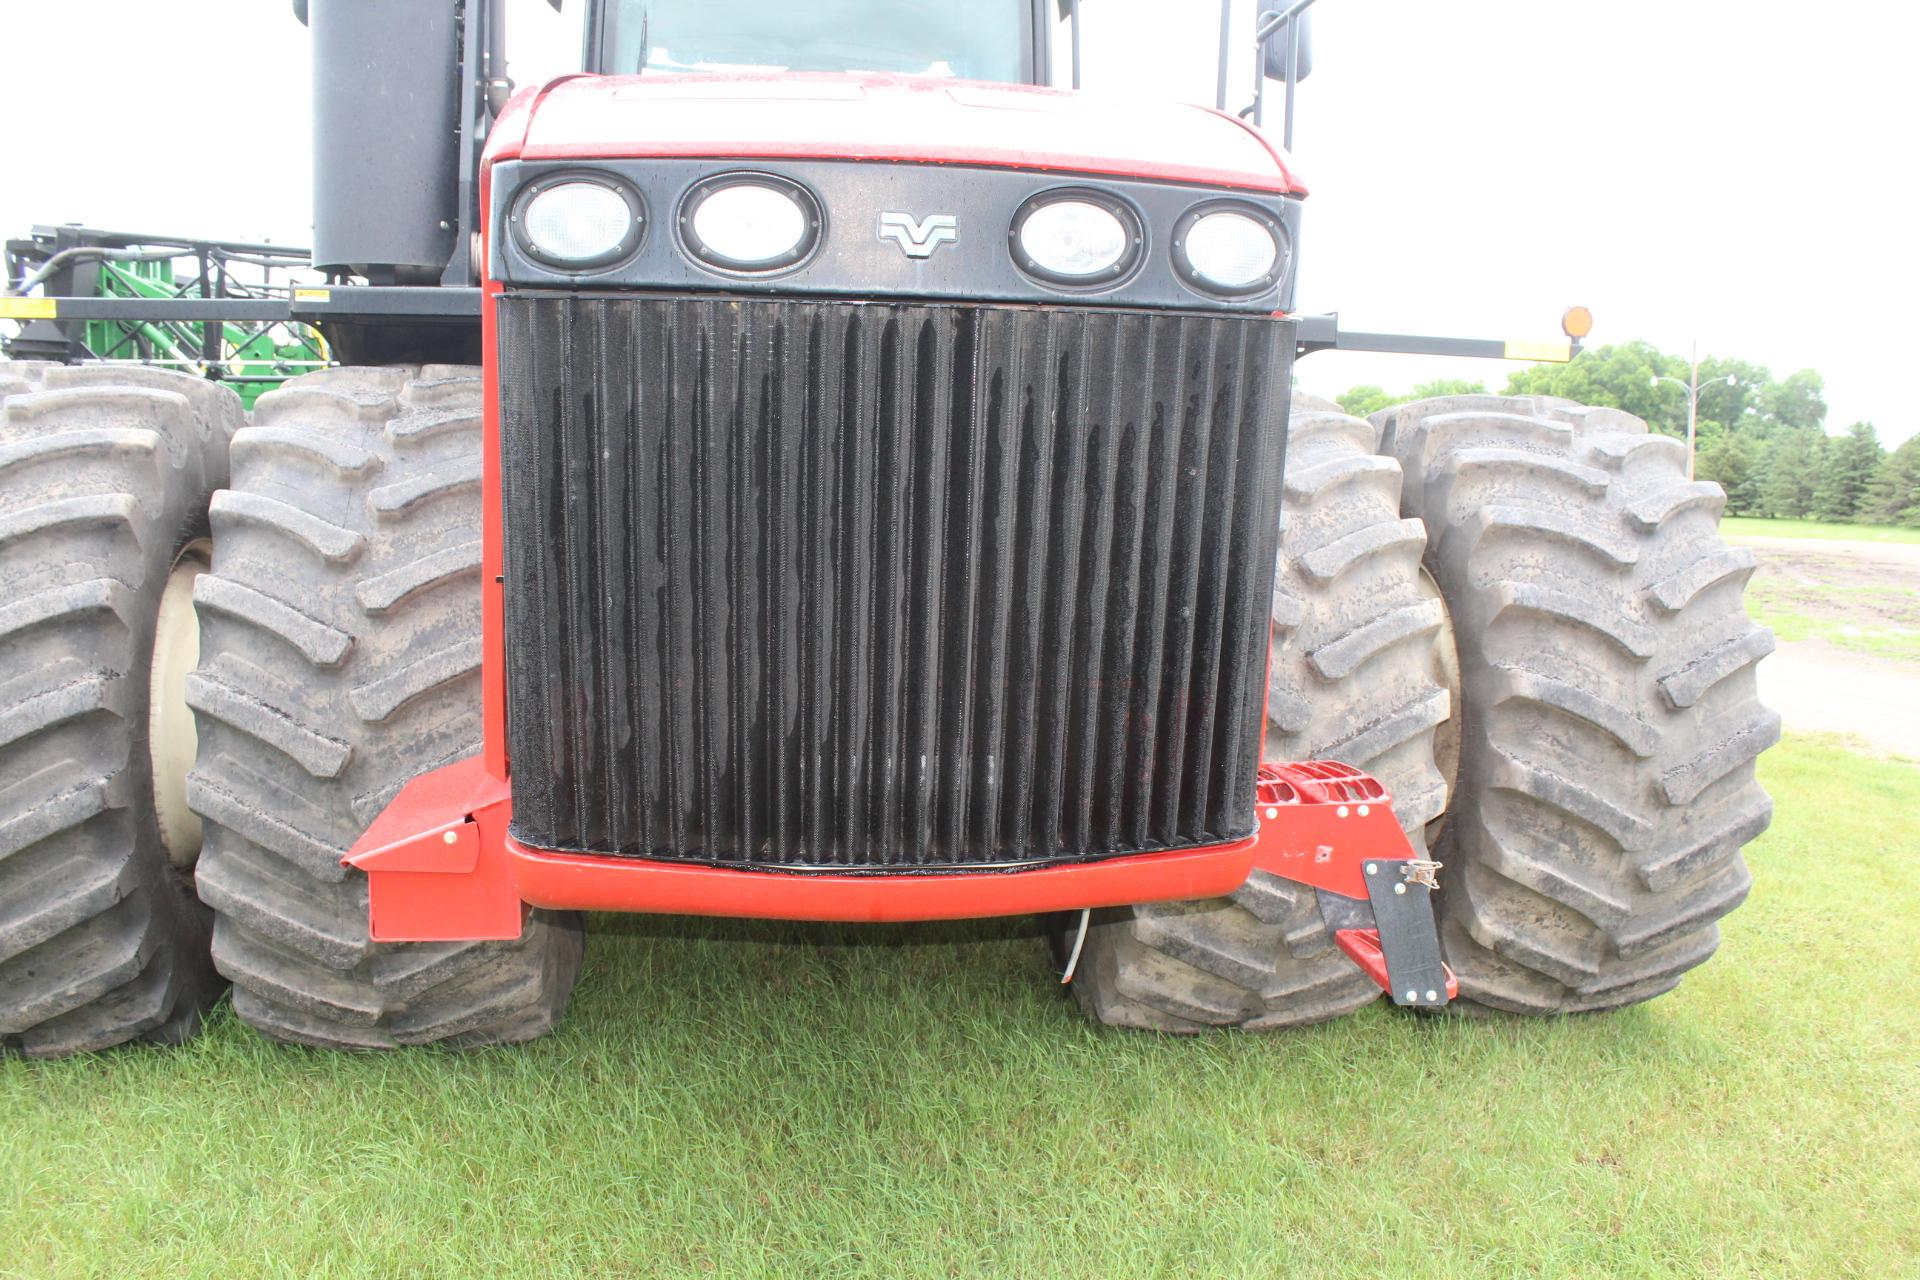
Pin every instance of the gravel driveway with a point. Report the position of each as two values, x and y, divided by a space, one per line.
1820 688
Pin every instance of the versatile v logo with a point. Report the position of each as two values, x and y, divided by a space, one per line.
918 239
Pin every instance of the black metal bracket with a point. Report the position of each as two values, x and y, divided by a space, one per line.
396 302
1403 913
1323 333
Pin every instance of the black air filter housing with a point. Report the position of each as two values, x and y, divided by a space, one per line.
386 96
885 586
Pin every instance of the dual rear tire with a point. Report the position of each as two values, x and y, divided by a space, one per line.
1611 719
105 475
329 651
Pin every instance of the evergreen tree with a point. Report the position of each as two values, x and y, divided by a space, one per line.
1847 466
1729 462
1893 495
1787 475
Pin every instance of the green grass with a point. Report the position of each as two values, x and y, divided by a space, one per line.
1759 527
741 1101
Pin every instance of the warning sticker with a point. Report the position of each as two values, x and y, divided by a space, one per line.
26 308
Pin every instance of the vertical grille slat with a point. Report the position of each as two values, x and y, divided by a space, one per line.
1163 471
885 586
1096 579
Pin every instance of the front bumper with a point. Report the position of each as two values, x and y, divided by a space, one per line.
441 867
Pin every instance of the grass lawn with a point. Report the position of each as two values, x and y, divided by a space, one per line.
1759 527
820 1102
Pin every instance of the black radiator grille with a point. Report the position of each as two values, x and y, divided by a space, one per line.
873 585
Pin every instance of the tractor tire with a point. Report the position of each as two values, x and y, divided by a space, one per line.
105 474
1610 720
1357 675
340 657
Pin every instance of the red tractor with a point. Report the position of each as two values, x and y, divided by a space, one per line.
806 467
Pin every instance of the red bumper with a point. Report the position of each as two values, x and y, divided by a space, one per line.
441 867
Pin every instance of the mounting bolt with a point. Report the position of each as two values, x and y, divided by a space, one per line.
1433 997
451 838
1272 814
1413 997
1399 888
1373 868
1341 812
1364 811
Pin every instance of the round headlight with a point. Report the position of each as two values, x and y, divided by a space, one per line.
750 222
1235 249
1075 238
579 223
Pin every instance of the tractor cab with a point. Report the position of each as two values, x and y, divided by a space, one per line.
996 40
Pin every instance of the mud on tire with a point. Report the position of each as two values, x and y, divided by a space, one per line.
105 474
340 657
1611 720
1356 676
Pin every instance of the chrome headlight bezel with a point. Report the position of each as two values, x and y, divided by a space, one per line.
710 258
1194 279
1122 211
625 249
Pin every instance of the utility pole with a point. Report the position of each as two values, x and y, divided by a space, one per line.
1693 398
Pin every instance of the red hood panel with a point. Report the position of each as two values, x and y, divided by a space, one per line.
895 118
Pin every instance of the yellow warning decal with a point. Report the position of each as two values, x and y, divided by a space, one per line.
313 295
1558 352
26 308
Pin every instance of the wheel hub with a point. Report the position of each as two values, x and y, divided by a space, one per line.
1446 735
171 737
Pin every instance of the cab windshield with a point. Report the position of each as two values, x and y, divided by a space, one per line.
967 39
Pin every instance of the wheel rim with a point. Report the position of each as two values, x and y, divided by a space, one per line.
1446 735
171 737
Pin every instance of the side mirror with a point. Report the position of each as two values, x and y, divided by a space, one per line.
1276 52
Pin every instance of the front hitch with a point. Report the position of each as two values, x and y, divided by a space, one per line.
1332 826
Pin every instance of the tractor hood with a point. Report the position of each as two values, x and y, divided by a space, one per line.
886 118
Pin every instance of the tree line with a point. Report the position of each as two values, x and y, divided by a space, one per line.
1764 440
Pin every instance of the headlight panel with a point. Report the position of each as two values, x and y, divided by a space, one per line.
578 221
1230 248
730 226
750 223
1076 238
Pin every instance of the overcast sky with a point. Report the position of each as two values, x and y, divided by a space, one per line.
1739 173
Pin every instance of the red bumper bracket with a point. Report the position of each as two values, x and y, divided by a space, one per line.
436 869
1320 821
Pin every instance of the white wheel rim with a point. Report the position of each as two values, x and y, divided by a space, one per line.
1446 735
171 738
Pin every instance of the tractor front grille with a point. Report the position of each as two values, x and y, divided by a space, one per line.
857 585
